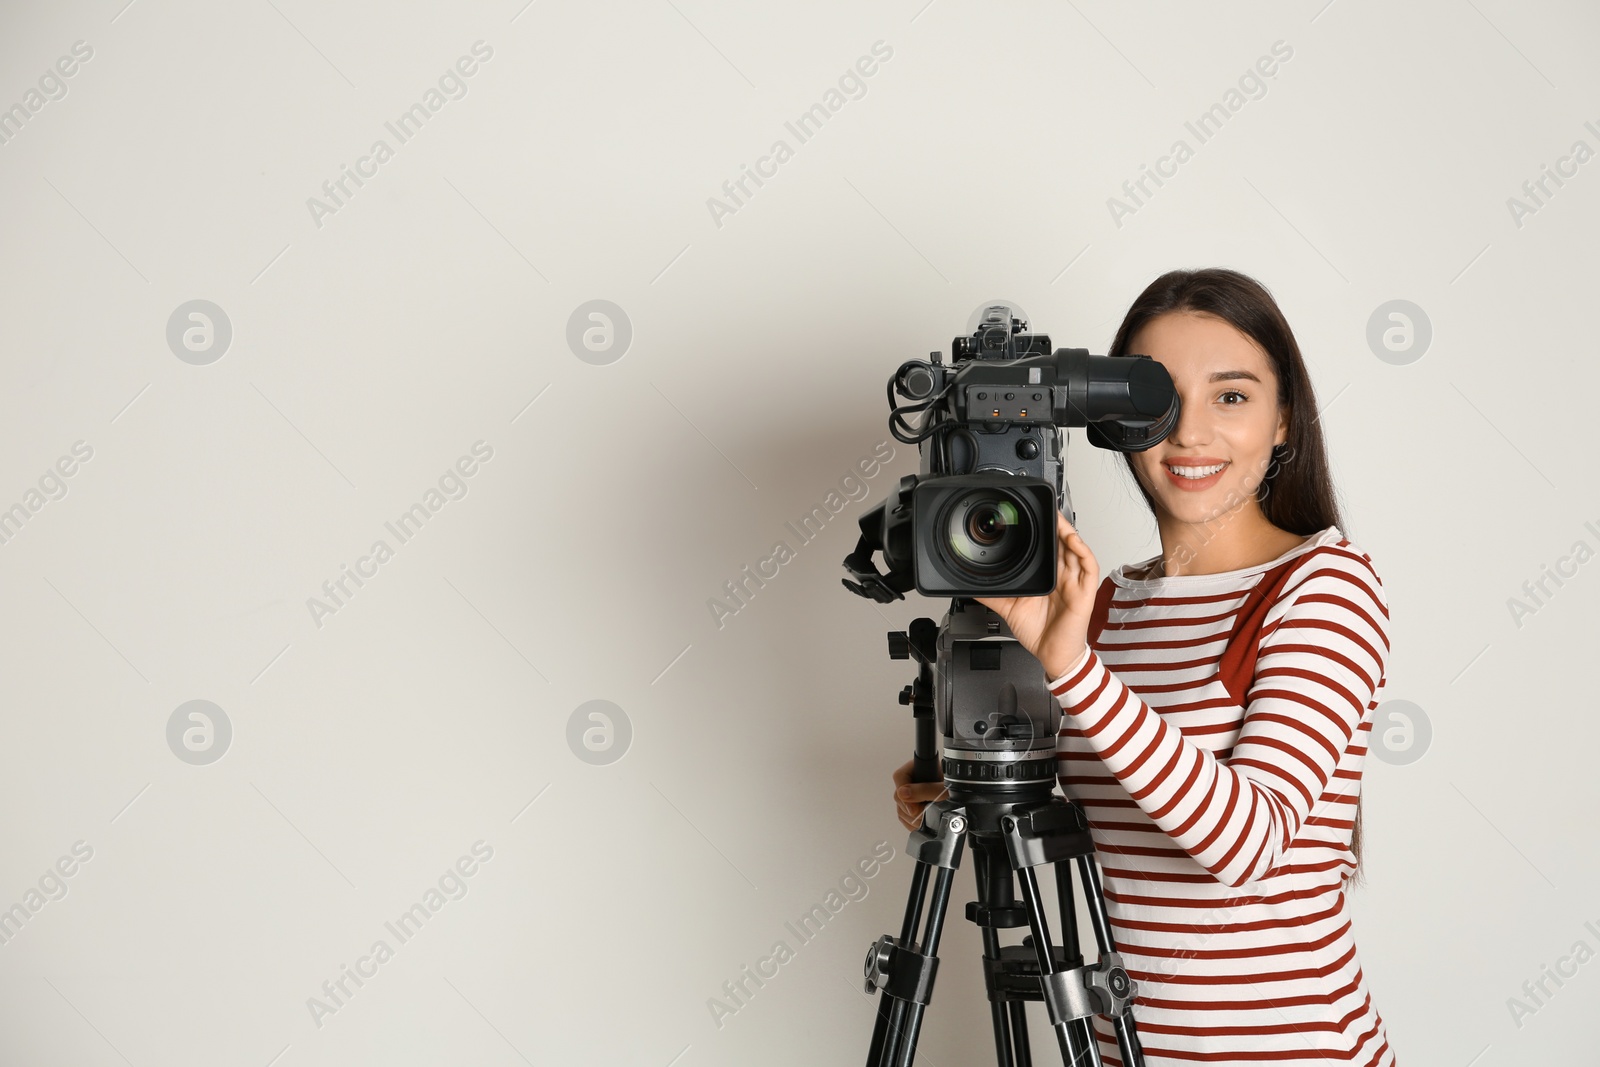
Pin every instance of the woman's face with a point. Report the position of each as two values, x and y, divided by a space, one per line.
1230 417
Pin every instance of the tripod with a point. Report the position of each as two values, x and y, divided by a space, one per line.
1016 822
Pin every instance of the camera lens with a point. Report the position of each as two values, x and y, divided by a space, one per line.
987 523
988 532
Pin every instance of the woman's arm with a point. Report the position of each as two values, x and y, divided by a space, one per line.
1324 646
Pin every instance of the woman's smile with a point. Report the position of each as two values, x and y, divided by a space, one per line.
1194 474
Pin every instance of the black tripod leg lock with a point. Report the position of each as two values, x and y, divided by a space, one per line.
1103 989
900 971
938 841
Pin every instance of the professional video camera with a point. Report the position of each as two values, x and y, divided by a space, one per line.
980 518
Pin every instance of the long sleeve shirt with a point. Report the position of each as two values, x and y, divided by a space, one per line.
1222 801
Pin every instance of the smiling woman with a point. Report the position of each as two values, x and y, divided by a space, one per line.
1217 702
1217 719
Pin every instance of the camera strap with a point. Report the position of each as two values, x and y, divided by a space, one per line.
1238 665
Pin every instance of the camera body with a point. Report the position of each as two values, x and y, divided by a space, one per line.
979 519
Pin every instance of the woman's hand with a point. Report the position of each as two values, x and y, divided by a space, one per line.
1055 626
911 797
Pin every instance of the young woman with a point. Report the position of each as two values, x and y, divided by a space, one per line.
1218 700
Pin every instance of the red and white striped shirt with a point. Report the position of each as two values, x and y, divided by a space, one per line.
1222 802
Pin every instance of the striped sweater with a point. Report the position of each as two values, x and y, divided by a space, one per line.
1222 800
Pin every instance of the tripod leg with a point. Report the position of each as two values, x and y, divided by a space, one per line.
903 971
1068 910
1127 1034
1019 1033
1076 1036
930 947
891 1010
993 874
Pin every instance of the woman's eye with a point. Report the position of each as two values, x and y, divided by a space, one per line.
1234 392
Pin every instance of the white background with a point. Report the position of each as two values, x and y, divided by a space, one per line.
430 311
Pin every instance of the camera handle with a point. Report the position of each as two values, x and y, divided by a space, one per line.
873 583
921 643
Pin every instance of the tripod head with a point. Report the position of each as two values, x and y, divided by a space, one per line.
981 697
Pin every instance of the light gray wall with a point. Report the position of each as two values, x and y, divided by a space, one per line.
375 343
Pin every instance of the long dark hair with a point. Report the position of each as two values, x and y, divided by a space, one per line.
1297 491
